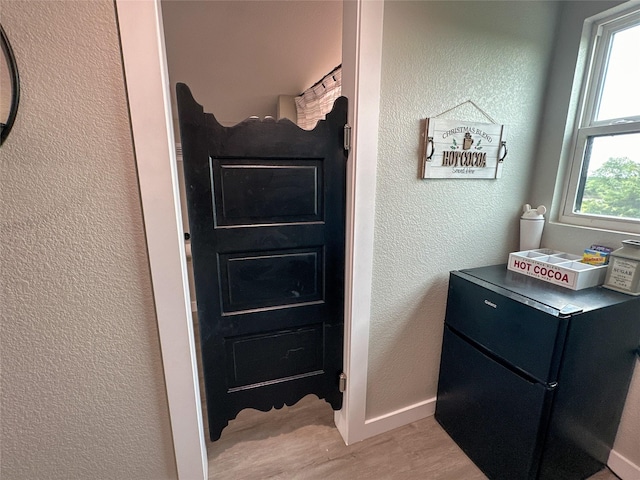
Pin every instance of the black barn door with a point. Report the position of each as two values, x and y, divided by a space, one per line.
266 203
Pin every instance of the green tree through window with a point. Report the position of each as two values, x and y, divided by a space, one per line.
613 189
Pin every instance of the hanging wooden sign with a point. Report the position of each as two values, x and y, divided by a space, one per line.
455 149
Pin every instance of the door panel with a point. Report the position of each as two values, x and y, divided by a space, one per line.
507 414
266 203
271 279
251 193
513 331
271 356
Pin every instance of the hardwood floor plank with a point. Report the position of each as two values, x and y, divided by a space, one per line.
301 442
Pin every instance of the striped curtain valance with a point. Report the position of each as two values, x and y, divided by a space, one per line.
317 101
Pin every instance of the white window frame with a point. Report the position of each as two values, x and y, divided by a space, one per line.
587 126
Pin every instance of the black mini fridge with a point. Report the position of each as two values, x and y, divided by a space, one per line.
533 376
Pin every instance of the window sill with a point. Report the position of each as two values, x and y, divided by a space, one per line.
592 229
600 224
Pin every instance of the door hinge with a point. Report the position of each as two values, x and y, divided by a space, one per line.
342 382
347 137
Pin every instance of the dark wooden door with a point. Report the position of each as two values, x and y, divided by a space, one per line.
266 203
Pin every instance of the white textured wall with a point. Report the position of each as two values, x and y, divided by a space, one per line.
435 56
83 394
553 154
237 56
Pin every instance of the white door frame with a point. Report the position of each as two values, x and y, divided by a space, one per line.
148 89
361 68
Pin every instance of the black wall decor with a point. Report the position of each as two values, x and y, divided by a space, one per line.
13 95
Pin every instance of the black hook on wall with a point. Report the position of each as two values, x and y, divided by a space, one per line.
9 60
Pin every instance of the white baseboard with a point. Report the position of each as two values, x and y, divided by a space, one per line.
399 418
623 467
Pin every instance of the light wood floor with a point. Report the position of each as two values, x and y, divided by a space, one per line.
302 443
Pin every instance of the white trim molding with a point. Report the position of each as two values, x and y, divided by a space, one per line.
147 80
361 72
623 467
401 417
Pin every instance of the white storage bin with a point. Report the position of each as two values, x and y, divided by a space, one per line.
560 268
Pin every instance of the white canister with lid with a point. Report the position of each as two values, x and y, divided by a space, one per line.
531 226
623 272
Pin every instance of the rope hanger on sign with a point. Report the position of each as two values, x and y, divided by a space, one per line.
472 103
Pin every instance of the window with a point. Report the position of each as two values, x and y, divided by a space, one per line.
604 183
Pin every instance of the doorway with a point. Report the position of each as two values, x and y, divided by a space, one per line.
217 52
142 40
